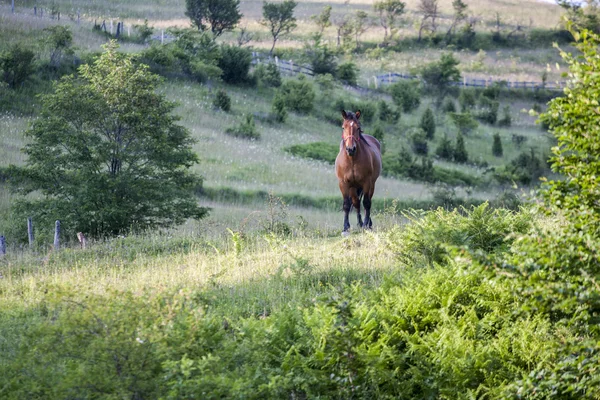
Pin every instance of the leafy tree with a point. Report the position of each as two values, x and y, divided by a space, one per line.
17 64
389 11
279 19
460 152
428 123
60 42
429 13
360 24
323 20
107 155
219 15
460 14
506 119
439 75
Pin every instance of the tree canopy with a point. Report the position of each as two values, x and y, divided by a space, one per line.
107 154
218 15
279 18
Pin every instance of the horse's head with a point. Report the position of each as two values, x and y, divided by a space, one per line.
351 131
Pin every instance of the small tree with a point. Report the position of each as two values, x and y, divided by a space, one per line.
445 151
460 152
360 24
418 140
379 134
506 119
17 64
235 63
428 123
222 101
464 122
497 146
348 72
60 42
460 14
218 15
279 19
389 11
298 94
323 20
429 12
387 113
279 109
440 74
107 155
144 31
406 94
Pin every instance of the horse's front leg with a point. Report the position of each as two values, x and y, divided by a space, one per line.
347 205
356 204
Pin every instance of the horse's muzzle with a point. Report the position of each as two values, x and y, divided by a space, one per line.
351 151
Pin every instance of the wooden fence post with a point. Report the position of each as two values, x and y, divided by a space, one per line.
13 6
57 235
35 11
2 245
30 231
162 36
82 240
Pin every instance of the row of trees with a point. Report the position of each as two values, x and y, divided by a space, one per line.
219 16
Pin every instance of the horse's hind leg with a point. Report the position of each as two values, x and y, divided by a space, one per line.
347 205
356 203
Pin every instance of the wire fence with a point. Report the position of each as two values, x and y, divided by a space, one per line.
291 68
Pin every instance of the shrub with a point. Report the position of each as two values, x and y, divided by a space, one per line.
17 64
460 152
379 134
418 140
348 73
440 74
487 111
448 105
427 123
464 122
367 108
144 31
445 151
268 75
467 99
246 129
526 169
497 146
298 94
506 119
279 109
322 60
235 63
406 94
222 101
321 151
387 113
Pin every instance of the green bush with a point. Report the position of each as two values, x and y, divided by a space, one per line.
526 169
497 146
268 75
144 31
487 111
427 123
506 119
460 154
222 101
464 122
387 113
321 151
467 99
418 141
279 109
448 105
17 65
445 151
246 129
298 94
379 134
235 63
322 60
348 73
406 94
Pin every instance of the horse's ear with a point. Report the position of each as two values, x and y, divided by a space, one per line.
344 115
357 114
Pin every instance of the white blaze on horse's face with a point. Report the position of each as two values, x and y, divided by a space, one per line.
350 136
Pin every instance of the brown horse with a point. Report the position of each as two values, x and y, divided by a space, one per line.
357 166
